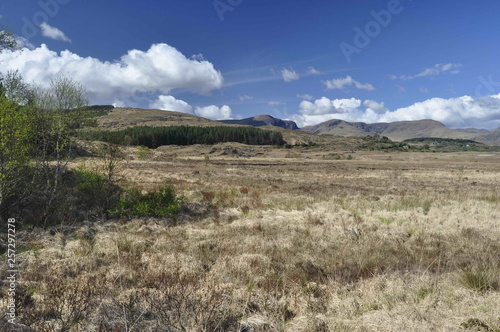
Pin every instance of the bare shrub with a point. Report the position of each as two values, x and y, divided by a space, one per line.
61 304
184 303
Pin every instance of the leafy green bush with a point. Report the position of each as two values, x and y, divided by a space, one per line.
94 192
88 181
161 203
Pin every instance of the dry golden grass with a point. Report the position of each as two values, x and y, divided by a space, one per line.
383 242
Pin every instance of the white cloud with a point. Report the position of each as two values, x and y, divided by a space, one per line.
346 105
320 106
169 103
213 112
313 71
305 96
245 98
53 33
424 90
289 75
275 103
463 112
341 83
160 69
432 71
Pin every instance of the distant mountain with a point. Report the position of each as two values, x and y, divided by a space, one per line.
344 128
263 120
474 131
492 137
402 130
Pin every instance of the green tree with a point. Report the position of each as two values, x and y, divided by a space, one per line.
14 129
7 40
15 89
36 129
14 146
55 116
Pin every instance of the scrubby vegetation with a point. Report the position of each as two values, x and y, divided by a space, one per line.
153 137
161 203
449 145
382 143
426 144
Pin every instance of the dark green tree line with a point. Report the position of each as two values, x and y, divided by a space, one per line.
153 137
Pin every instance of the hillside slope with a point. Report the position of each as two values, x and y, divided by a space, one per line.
124 117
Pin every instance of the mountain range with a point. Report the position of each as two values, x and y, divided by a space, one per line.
402 130
396 131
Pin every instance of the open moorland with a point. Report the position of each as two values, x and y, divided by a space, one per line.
274 239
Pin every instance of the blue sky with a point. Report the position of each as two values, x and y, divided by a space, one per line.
309 61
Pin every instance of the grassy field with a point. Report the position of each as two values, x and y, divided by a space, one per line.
274 239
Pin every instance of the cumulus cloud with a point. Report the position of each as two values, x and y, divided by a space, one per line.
169 103
319 107
432 71
289 75
375 106
462 112
305 96
341 83
53 33
160 69
213 112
